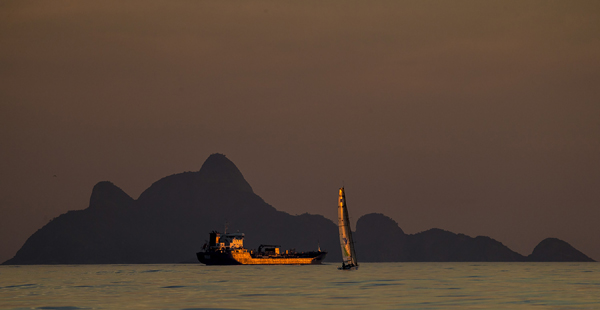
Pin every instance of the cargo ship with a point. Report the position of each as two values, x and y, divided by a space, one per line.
228 249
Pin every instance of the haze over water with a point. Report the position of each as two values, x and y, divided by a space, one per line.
477 117
374 285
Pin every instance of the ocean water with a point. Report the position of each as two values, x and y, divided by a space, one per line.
373 286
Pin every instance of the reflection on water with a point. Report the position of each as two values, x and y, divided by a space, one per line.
374 285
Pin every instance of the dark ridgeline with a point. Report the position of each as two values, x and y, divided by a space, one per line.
171 220
434 245
375 232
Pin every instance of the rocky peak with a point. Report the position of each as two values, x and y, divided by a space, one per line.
218 169
556 250
106 195
377 222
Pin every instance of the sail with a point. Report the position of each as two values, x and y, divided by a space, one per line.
346 241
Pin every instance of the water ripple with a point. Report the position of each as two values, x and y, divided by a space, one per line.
60 308
20 285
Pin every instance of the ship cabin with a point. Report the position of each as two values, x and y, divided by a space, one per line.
231 241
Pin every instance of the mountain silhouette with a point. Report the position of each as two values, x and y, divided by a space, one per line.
556 250
376 232
380 239
170 222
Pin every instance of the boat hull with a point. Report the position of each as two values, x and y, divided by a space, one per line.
244 258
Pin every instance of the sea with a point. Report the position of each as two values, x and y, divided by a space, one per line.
372 286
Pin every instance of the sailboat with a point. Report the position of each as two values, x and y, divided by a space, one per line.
348 254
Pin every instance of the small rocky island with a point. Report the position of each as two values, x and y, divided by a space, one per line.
170 219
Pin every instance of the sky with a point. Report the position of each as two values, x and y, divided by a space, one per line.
477 117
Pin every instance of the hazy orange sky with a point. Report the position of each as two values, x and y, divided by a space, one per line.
478 117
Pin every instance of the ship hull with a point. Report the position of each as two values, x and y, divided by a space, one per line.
354 267
244 258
